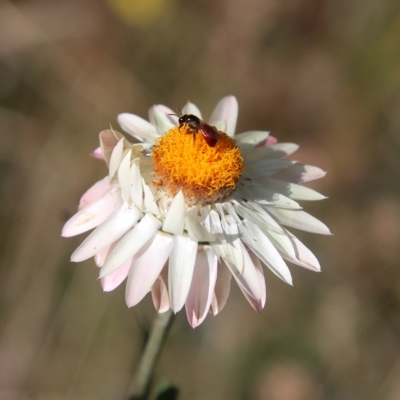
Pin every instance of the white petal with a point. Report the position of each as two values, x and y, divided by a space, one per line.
220 125
272 197
196 231
292 190
95 192
150 204
300 173
116 157
278 150
265 250
112 281
174 221
205 216
259 216
181 265
202 288
299 219
228 207
264 168
146 268
93 214
191 108
131 243
159 292
247 141
138 127
226 110
215 225
222 288
232 248
160 120
124 172
170 114
136 186
116 225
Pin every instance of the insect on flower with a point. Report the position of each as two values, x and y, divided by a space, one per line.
195 124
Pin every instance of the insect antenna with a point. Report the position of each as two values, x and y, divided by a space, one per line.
177 115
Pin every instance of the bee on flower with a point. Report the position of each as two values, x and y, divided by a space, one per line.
193 205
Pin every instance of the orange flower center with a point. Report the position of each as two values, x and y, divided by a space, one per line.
183 160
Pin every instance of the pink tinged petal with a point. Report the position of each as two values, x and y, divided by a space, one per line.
100 257
146 268
259 268
265 168
116 225
292 190
247 141
282 243
112 281
249 279
137 127
226 110
257 303
299 219
93 214
181 265
159 292
202 288
300 173
108 140
265 250
269 141
97 153
222 288
302 255
276 151
171 114
175 219
191 108
131 243
116 157
124 172
95 192
160 120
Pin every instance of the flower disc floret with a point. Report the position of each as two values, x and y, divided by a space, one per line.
183 160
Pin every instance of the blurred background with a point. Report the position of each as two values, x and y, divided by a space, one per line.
321 73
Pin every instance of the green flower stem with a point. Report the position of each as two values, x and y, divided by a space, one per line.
159 331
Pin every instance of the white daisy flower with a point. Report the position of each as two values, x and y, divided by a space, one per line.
190 207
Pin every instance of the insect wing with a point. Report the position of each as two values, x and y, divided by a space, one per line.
209 133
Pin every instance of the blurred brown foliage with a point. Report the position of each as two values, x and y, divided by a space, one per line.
321 73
